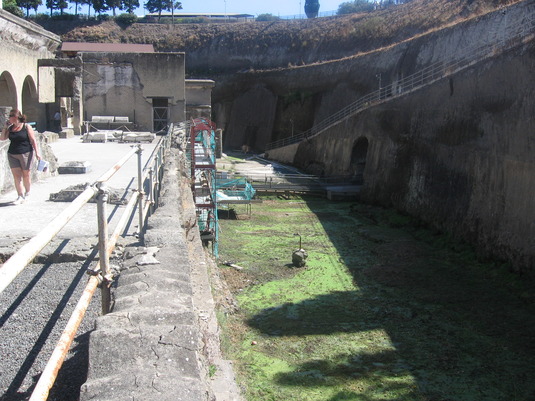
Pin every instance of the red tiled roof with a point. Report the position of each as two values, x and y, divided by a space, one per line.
106 47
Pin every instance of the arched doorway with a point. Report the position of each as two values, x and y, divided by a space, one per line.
358 160
30 102
8 91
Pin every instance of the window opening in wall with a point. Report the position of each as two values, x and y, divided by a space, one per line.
160 113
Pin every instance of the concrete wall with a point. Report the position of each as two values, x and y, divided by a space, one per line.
125 84
23 44
199 98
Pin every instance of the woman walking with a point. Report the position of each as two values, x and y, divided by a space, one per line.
21 151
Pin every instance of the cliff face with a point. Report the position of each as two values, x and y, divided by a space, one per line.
458 154
215 48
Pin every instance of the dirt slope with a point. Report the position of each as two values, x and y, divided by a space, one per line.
322 38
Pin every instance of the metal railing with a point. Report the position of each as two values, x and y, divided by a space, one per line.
148 184
513 36
305 183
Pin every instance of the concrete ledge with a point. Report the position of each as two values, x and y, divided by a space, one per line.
145 385
150 346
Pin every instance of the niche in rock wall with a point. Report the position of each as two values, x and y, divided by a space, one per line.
251 120
358 160
295 114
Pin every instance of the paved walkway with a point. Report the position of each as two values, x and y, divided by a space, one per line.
28 219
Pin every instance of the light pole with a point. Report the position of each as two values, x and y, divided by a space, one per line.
225 1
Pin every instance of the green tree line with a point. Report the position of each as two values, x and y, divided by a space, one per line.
98 6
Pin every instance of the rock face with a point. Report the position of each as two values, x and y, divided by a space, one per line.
458 154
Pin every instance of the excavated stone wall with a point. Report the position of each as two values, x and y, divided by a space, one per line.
307 94
457 154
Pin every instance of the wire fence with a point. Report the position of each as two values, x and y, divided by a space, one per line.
513 35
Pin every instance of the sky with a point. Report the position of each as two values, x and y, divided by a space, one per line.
254 7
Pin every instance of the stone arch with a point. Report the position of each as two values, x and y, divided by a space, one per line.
358 159
30 100
8 91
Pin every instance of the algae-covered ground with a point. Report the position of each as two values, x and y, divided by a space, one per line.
383 310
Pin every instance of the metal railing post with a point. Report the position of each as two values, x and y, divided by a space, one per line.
140 190
102 200
151 192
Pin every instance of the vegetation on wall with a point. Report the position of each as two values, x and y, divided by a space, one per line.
356 6
267 17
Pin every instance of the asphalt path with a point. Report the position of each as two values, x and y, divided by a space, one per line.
36 306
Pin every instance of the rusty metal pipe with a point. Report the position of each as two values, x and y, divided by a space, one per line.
104 259
108 174
16 263
48 377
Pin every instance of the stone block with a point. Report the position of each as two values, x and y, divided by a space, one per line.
99 136
76 167
102 119
50 136
139 137
66 133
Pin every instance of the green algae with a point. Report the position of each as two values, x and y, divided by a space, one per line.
375 314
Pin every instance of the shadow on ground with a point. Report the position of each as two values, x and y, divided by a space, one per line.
463 330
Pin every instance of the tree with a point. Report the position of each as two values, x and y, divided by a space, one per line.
27 4
155 6
356 6
311 8
130 5
160 5
99 6
267 17
61 5
56 5
51 5
113 4
89 4
172 6
11 7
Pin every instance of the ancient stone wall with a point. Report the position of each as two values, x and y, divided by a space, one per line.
305 95
126 84
23 44
457 154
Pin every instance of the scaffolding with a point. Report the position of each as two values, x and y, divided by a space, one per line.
234 189
201 153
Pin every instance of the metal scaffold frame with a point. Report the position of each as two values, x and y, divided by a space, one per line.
202 156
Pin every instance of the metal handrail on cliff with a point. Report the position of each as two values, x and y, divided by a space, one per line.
513 36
